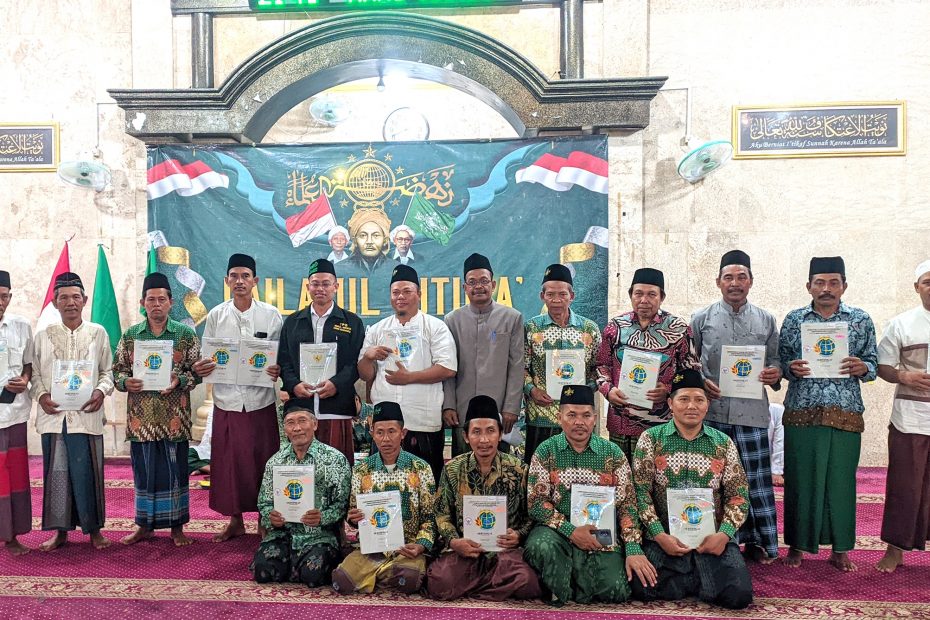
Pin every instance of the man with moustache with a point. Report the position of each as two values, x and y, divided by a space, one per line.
402 238
368 228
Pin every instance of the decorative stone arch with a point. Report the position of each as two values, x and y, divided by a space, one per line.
368 44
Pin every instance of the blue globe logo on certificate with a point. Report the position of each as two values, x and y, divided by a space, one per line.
74 382
825 346
692 514
380 518
742 368
566 370
221 357
153 361
486 520
404 348
592 512
638 374
259 360
293 489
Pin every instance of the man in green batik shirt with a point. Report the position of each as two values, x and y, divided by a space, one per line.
573 563
684 453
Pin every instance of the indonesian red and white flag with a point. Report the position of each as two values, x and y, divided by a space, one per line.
315 220
563 173
185 179
49 315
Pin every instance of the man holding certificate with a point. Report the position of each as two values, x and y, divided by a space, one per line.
70 378
390 513
826 348
738 346
560 349
303 497
640 351
692 495
239 348
580 497
154 363
318 352
481 513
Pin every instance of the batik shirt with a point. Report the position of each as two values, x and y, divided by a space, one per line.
556 466
462 476
330 495
543 334
664 460
151 416
668 335
836 403
413 477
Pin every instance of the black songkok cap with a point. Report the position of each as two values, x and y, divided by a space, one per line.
735 257
298 404
5 279
387 411
321 265
68 278
482 406
648 275
688 378
477 261
826 264
405 273
576 395
557 273
155 280
241 260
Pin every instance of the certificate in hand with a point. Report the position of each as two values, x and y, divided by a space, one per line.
691 515
563 367
594 505
317 362
152 361
255 356
484 519
225 354
404 343
382 529
639 373
739 372
824 345
293 490
72 383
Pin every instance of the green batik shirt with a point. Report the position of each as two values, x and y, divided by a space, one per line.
665 460
330 495
462 476
556 466
413 477
542 334
151 416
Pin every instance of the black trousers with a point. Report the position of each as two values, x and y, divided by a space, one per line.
428 446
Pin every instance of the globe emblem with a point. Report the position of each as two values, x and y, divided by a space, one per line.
153 361
692 514
825 346
593 512
404 348
259 360
369 181
566 370
638 374
294 489
380 519
742 367
486 520
74 383
221 357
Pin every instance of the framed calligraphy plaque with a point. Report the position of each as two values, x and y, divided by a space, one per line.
820 130
28 147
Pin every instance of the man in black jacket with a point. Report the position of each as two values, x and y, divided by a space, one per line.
324 322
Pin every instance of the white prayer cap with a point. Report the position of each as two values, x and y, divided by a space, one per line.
336 231
405 228
922 268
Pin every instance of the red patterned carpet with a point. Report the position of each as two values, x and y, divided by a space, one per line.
207 580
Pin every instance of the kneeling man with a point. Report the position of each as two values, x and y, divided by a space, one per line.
687 473
467 568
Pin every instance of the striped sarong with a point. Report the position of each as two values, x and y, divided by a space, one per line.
15 503
159 470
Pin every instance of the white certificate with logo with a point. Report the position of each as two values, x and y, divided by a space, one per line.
563 367
255 356
824 345
594 505
739 372
691 515
293 490
152 361
639 373
382 529
72 383
225 354
404 343
484 518
317 362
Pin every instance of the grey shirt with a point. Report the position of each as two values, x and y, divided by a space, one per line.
717 326
490 356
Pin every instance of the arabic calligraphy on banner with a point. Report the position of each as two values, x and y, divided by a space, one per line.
28 147
820 130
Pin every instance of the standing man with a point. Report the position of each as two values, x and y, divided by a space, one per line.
645 328
733 321
823 422
402 238
324 321
15 406
159 423
72 439
244 434
416 385
489 342
338 240
559 329
903 359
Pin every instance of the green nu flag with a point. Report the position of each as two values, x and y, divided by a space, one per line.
426 220
104 310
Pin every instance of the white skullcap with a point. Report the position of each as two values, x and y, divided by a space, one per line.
336 231
405 228
922 268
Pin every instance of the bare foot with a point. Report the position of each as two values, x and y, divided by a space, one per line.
99 541
793 559
180 538
892 559
205 470
54 542
141 533
14 547
235 527
755 553
842 562
778 480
